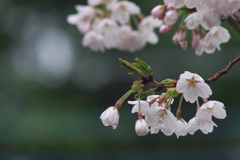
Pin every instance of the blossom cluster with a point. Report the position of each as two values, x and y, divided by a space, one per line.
156 110
108 24
198 14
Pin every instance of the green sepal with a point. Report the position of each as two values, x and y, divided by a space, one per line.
145 94
167 82
144 66
172 92
137 86
131 67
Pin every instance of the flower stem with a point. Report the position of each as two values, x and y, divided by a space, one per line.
122 99
198 106
179 108
205 100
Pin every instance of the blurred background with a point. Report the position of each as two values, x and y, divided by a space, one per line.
52 91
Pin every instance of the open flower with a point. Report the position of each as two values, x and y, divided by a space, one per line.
110 117
141 127
122 10
160 118
94 41
181 129
194 125
136 107
209 109
192 86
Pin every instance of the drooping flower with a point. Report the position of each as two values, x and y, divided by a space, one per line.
209 109
192 86
94 41
146 28
184 44
143 105
110 117
141 127
121 11
195 40
181 129
83 18
107 26
129 40
194 125
160 118
193 20
216 36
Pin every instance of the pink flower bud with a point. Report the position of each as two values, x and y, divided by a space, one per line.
195 40
175 38
158 12
170 7
165 28
184 44
171 17
87 27
182 36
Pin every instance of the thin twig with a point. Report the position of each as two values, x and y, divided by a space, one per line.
224 71
237 16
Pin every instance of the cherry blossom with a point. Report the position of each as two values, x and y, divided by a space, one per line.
209 109
94 41
195 40
143 105
170 17
181 129
83 18
216 36
141 127
110 117
194 125
107 26
160 118
192 86
121 11
193 20
175 3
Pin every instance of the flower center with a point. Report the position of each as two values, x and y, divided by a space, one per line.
160 115
192 82
210 110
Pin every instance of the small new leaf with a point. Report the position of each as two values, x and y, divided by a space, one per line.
131 67
144 66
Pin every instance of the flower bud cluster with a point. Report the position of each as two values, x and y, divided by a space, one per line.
207 13
108 24
155 112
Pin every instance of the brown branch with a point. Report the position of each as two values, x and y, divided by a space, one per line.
224 71
234 23
237 16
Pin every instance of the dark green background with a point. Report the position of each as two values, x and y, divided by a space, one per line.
51 111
